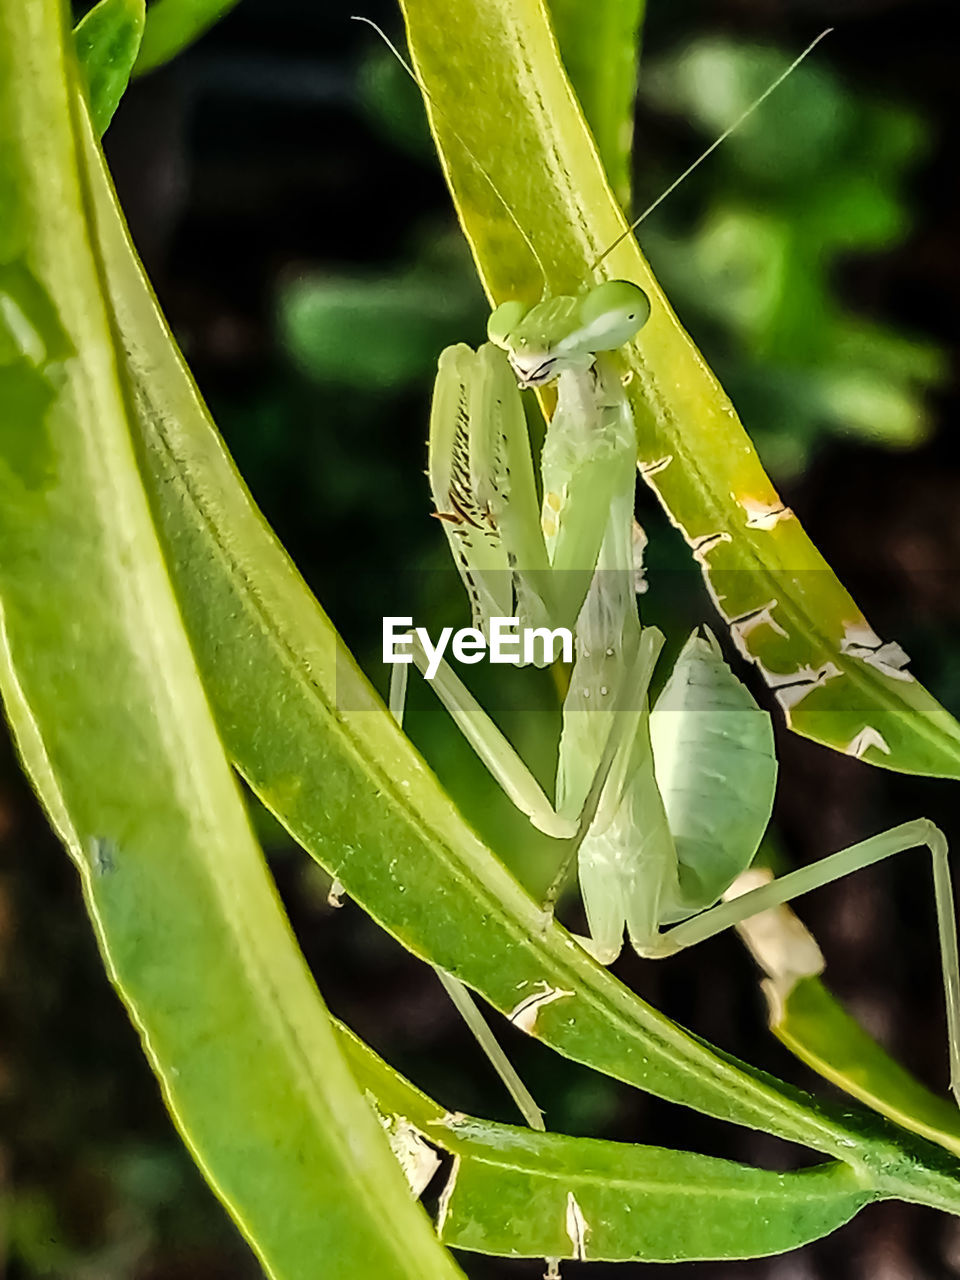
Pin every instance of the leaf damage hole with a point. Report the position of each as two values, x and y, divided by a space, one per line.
867 737
762 515
702 546
443 1206
889 658
742 627
415 1153
524 1015
791 687
577 1228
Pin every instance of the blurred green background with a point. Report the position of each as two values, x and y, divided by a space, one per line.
281 186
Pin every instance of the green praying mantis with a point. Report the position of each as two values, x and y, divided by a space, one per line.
663 808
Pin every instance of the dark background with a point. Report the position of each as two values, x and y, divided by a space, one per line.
282 191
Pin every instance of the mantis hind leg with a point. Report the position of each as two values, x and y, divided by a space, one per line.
909 835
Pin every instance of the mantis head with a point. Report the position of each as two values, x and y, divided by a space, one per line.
566 333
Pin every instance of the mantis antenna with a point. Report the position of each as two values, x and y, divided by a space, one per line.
411 72
732 128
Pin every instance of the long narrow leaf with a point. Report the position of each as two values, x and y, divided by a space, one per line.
600 45
113 728
107 41
173 25
835 681
816 1027
603 1201
527 1194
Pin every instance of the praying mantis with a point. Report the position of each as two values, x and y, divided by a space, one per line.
663 808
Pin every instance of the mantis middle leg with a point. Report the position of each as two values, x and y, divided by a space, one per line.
461 998
506 766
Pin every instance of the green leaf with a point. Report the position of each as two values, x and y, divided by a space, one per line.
173 25
521 1193
318 747
600 46
606 1201
807 635
815 1026
113 727
107 41
372 334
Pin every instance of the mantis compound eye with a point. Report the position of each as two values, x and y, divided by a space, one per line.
612 313
503 321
